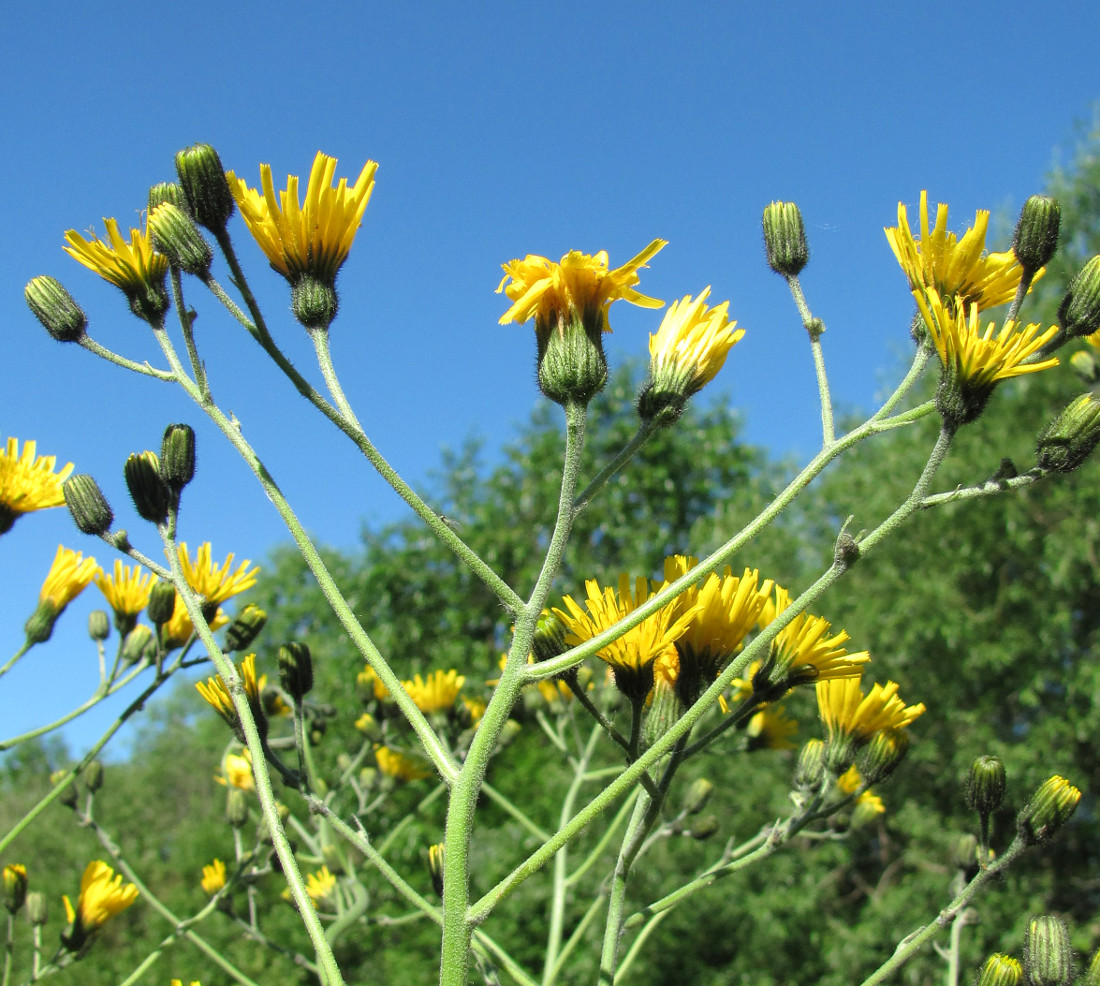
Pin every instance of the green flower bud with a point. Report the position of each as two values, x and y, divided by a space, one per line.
811 765
54 307
295 669
1070 438
15 886
236 808
1048 955
93 775
139 644
785 239
985 787
1049 809
149 492
313 302
177 456
1000 970
99 625
1079 314
39 626
704 828
1085 366
436 858
166 191
202 179
177 237
162 602
38 908
964 852
88 506
882 756
245 628
663 712
697 795
572 366
1036 236
549 639
1092 973
68 796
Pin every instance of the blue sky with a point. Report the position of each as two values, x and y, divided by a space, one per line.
500 130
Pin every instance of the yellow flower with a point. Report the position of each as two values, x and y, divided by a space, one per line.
371 682
69 575
131 266
127 590
213 877
770 729
691 344
977 359
215 583
178 982
102 896
581 286
28 482
475 709
867 805
847 712
177 631
437 692
631 655
237 771
399 766
216 693
14 886
959 269
804 652
320 885
313 237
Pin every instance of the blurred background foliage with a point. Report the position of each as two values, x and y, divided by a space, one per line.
987 611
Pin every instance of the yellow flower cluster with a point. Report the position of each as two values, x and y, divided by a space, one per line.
28 482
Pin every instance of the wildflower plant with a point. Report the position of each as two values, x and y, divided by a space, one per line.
629 676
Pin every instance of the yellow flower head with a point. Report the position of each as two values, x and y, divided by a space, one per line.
69 574
370 682
179 982
130 266
216 693
977 359
102 896
237 771
311 238
959 269
215 583
213 877
580 287
179 628
320 885
847 712
631 655
14 884
691 345
28 482
805 652
127 590
770 729
437 692
399 766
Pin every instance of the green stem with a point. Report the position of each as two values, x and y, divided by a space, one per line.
27 645
143 368
639 941
814 329
578 934
510 809
626 808
187 329
9 948
613 929
991 487
644 433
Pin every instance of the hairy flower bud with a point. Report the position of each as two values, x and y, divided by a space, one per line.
1079 313
1071 437
985 787
93 775
811 765
245 628
1036 236
698 795
88 506
1092 973
54 307
166 191
1048 955
149 492
295 669
99 625
882 756
236 808
15 886
176 236
436 857
1000 970
162 602
313 302
138 644
785 238
177 456
205 189
549 638
1049 809
38 908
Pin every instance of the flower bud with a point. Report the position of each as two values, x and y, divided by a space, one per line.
704 828
1070 438
572 366
811 765
149 492
881 757
1092 973
93 775
177 237
177 456
549 638
436 857
99 625
1036 236
664 710
236 808
38 908
205 189
985 787
1048 955
1000 970
697 796
162 602
54 307
245 628
313 302
295 669
1048 810
88 506
166 191
15 886
785 239
964 852
39 626
1079 314
137 645
68 796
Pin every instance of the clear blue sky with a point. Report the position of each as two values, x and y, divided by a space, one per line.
500 130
